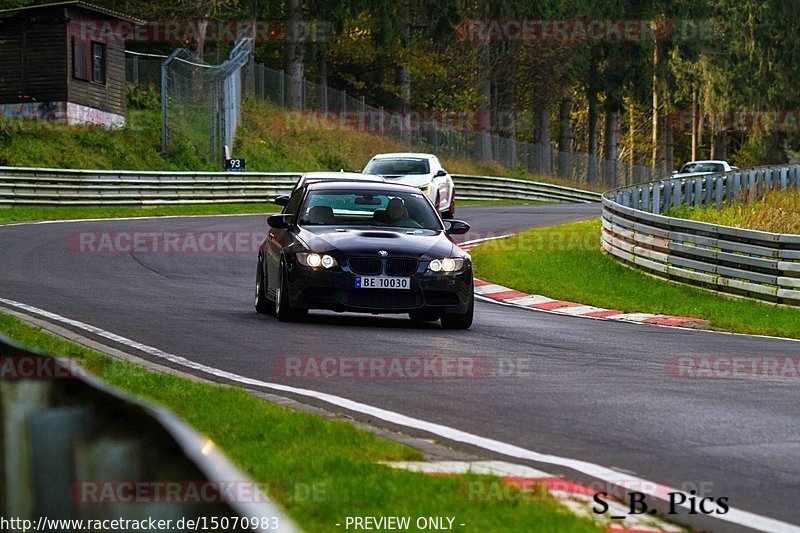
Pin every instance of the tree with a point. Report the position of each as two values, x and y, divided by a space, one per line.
294 54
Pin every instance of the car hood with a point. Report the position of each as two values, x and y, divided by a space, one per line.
425 244
415 180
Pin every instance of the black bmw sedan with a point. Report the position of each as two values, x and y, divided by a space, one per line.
364 247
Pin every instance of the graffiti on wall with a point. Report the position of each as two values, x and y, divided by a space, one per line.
61 112
46 111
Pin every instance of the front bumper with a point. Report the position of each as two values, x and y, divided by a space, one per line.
335 290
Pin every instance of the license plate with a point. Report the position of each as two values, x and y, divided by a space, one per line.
382 282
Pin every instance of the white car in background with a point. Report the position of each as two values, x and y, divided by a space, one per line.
423 171
700 168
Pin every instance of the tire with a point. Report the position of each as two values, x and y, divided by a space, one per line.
451 211
424 315
263 305
461 320
283 310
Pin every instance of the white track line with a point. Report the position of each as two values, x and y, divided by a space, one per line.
475 242
489 468
736 516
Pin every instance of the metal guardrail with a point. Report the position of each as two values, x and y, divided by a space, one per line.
74 448
745 262
495 188
46 186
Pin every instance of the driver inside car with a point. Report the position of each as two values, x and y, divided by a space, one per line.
397 215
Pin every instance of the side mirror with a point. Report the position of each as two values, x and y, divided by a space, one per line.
279 221
456 227
674 171
282 200
440 173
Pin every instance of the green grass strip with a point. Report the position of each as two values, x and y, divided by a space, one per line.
321 471
34 213
565 262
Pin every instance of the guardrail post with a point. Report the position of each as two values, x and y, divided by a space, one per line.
740 185
718 199
708 184
656 206
108 459
687 191
18 400
729 192
698 192
646 191
677 193
784 182
54 433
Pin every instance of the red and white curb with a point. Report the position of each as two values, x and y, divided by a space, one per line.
505 295
527 483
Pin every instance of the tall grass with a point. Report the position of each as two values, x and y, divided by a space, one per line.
778 212
270 138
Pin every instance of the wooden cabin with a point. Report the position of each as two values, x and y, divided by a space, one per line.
63 62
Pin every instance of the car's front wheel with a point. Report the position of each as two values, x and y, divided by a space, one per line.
263 305
460 320
283 309
450 212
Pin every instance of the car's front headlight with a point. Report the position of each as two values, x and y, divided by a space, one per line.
315 260
448 264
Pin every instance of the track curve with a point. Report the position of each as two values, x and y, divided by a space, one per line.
597 391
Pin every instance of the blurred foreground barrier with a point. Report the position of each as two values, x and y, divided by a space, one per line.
74 448
46 186
740 261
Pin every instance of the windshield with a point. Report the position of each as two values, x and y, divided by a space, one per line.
400 166
702 167
367 208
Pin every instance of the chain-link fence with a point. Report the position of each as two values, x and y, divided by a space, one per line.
195 113
200 103
143 69
432 133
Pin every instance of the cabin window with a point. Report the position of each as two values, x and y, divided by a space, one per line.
98 62
89 60
80 59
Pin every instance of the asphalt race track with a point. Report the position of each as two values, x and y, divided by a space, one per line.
599 391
